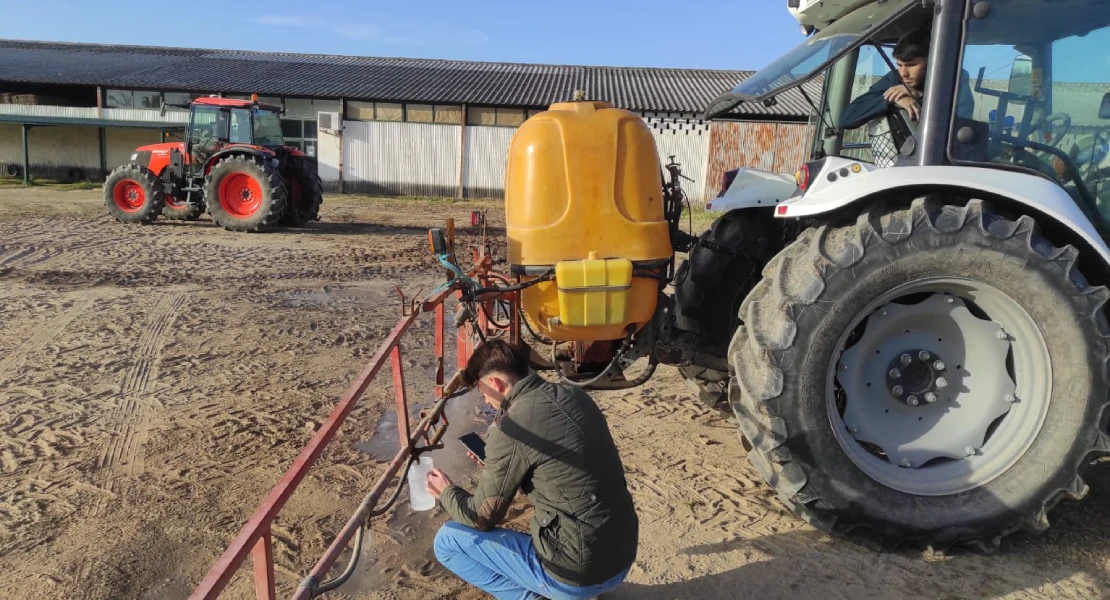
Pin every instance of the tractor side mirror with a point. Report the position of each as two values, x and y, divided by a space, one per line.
1021 77
1104 110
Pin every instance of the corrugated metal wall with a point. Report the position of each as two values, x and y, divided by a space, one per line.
688 142
775 147
405 159
487 152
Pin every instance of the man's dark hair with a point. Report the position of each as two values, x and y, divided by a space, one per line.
913 45
496 356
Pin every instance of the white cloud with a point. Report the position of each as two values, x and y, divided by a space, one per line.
395 33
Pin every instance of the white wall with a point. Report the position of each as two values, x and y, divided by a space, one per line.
408 159
300 108
487 152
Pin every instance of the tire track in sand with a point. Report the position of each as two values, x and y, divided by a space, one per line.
130 422
41 339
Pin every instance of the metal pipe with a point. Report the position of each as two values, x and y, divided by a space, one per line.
221 573
26 161
940 82
462 152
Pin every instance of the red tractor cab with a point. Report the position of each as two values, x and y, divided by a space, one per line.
233 162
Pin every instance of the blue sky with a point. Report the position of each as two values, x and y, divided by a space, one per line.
744 34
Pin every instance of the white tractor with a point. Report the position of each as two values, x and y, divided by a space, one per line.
914 325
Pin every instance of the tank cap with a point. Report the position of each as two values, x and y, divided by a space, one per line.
579 95
592 255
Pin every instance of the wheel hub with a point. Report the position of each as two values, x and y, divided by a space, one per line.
916 375
925 381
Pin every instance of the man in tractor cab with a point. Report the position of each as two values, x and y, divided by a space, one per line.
904 87
552 442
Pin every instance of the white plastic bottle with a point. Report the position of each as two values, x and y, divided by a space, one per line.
418 484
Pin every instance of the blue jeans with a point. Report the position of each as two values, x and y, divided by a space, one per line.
504 564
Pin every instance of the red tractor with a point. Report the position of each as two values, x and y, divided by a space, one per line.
233 161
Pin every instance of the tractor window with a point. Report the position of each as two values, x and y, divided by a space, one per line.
240 126
1040 81
268 129
871 66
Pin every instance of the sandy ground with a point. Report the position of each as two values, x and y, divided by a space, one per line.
156 381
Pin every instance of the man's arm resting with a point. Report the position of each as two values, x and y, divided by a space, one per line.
868 106
502 476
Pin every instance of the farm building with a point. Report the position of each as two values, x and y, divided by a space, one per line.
393 126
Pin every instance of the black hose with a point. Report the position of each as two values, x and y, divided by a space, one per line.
328 586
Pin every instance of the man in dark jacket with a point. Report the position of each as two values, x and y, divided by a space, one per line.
904 88
551 442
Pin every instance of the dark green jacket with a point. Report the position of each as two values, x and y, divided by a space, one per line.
552 442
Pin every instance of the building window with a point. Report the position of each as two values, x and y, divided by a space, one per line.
448 114
375 111
360 111
132 99
502 117
419 113
292 128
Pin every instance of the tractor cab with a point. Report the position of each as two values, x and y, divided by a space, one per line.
1022 85
216 123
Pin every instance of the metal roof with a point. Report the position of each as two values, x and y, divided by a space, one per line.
374 78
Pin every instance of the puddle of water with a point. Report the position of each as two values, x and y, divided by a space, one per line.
378 566
335 294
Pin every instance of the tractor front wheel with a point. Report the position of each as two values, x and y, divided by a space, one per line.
134 194
244 193
934 373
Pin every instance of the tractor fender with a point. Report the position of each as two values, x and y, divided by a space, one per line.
842 183
262 153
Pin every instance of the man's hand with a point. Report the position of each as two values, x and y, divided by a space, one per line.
471 456
437 482
911 107
896 92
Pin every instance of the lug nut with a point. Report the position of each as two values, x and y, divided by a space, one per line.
895 373
930 397
906 462
912 401
924 355
1000 335
951 300
970 451
853 428
897 391
1011 398
939 365
907 359
942 383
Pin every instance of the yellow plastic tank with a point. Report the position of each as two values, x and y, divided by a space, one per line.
584 197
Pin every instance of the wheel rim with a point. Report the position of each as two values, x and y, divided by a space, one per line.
173 203
240 194
129 195
930 429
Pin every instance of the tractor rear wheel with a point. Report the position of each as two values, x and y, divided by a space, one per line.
177 209
134 194
720 270
934 374
306 193
244 193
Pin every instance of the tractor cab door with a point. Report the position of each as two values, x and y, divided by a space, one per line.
208 133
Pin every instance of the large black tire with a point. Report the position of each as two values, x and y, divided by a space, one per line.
177 210
720 270
134 194
244 193
793 323
306 193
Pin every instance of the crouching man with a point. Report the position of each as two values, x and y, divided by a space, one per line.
551 442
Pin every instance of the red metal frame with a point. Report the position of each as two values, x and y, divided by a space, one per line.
255 536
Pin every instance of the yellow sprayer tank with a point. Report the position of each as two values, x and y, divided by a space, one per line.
583 196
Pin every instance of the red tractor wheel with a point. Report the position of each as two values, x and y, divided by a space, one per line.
244 193
133 194
306 193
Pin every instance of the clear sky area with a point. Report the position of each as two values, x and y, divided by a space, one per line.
743 34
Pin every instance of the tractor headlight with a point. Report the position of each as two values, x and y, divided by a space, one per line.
135 156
